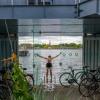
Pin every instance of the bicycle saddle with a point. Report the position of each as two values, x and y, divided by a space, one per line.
92 70
70 67
2 70
24 68
86 66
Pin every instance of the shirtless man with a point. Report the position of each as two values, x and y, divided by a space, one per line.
48 65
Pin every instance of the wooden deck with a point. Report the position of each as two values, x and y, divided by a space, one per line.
62 93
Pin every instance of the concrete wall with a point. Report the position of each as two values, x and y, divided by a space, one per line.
37 12
5 2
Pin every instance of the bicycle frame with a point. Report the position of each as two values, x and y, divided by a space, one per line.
79 74
72 72
73 75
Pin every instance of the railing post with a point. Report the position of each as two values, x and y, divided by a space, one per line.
36 2
27 2
12 2
43 2
77 5
77 1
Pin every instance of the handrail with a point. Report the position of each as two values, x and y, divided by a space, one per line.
61 5
84 1
33 3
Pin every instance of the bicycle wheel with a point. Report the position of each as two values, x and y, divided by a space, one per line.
87 75
5 93
81 75
78 77
30 80
64 79
87 87
97 76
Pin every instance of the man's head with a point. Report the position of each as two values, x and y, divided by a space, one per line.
49 56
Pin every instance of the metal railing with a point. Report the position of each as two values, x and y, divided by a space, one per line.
39 3
84 1
33 3
78 3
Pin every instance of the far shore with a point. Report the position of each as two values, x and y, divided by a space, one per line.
50 48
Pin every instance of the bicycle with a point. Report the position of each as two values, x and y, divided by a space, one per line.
69 78
6 83
91 85
29 78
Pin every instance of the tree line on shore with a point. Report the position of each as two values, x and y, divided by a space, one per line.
53 46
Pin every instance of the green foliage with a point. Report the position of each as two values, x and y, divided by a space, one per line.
20 85
47 46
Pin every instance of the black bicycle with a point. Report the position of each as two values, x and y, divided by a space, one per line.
6 83
90 85
70 78
29 78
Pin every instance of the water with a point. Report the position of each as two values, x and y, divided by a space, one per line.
69 57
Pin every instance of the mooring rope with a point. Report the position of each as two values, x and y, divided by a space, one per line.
9 37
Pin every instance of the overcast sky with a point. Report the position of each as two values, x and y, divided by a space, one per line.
51 39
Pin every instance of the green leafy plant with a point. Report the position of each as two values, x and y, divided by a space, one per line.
20 84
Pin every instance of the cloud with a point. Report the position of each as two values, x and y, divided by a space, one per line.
50 39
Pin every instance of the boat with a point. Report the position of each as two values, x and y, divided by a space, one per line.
23 52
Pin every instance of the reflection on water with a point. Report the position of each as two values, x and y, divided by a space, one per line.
36 65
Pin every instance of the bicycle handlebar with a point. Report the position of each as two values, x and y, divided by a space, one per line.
70 67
